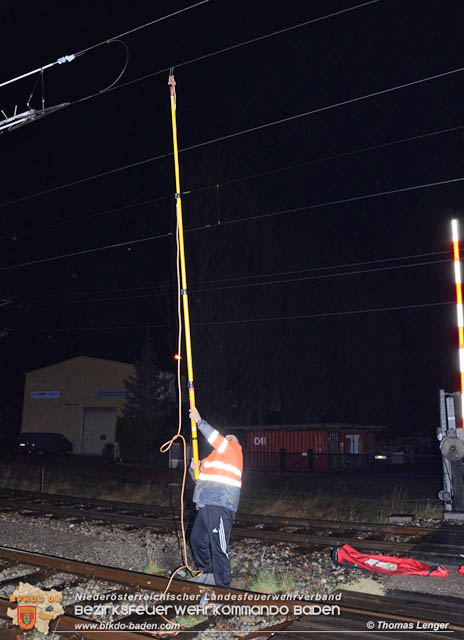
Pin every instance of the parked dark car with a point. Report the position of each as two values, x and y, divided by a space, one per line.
43 443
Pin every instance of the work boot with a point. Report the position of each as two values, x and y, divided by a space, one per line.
205 578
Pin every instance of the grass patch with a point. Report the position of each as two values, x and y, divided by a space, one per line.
338 503
319 496
264 581
79 483
287 583
153 569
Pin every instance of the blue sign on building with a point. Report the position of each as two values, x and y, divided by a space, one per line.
111 394
44 394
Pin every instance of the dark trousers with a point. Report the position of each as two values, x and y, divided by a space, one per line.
209 541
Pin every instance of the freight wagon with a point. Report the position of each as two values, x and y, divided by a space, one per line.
312 447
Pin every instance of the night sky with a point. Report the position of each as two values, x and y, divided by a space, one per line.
288 326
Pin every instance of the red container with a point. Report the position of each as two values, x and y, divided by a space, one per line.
263 449
291 441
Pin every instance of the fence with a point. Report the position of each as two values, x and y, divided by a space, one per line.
310 462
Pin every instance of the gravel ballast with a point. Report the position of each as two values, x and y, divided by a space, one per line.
294 569
297 568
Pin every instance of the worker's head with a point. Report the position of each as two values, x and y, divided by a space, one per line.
230 436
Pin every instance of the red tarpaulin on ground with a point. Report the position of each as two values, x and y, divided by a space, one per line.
386 565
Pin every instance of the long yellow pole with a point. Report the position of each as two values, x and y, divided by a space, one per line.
188 345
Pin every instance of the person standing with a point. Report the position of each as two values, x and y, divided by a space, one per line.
216 497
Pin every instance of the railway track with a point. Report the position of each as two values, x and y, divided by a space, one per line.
384 618
115 586
436 544
351 611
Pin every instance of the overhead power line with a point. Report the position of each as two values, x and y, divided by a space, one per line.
231 322
246 276
324 315
326 268
87 251
318 277
337 156
181 64
229 287
32 115
147 24
73 56
235 221
331 203
305 114
234 135
62 223
238 45
56 225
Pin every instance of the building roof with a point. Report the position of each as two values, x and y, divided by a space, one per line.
54 364
317 426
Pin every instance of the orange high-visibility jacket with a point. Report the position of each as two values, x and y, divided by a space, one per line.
220 478
225 463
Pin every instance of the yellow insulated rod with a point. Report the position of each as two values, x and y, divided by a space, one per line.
180 228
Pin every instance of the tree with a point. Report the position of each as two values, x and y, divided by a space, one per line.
144 389
140 428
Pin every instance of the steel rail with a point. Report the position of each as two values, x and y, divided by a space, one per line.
127 578
36 503
401 610
114 508
68 623
134 579
237 532
352 603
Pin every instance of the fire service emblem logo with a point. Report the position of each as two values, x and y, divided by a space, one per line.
36 607
27 617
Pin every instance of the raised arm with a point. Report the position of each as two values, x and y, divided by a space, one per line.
213 436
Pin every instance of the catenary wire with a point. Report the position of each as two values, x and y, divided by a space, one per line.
56 225
319 277
233 135
229 287
235 221
143 26
337 156
340 266
181 64
324 315
87 251
249 276
70 58
334 202
322 109
232 181
238 45
245 321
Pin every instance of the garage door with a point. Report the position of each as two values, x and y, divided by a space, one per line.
99 428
